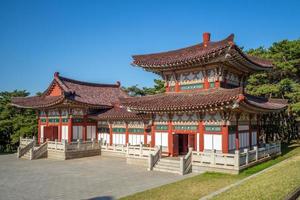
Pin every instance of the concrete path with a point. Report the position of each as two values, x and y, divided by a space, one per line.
87 178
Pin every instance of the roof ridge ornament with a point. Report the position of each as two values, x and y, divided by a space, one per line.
56 74
206 38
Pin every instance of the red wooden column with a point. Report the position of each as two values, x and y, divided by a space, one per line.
167 87
152 135
145 134
225 137
60 128
195 142
206 83
237 141
110 134
177 89
250 131
177 86
96 131
70 129
170 137
39 130
126 133
201 135
217 82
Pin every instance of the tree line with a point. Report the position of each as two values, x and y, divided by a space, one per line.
281 82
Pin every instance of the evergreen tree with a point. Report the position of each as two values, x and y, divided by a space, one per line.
159 87
15 122
281 82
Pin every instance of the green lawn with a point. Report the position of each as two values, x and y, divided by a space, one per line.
201 185
276 183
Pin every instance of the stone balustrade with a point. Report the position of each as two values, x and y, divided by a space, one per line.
234 162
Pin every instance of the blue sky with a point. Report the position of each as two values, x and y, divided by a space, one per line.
94 40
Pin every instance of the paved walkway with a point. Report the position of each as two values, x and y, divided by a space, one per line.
87 178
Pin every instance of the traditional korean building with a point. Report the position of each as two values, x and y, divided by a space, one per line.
68 110
204 107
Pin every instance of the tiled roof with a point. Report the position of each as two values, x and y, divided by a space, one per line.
199 53
93 94
117 113
204 100
264 103
37 101
260 61
182 101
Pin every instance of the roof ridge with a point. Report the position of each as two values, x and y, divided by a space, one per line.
264 63
238 90
61 78
229 39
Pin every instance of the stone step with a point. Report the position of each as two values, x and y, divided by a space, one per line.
165 160
168 165
27 157
166 170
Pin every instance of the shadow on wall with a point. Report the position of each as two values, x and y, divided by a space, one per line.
102 198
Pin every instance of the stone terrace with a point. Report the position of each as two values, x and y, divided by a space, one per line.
84 178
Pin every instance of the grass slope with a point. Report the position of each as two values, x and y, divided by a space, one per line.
276 183
201 185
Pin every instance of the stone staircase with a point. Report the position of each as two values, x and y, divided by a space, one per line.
171 165
29 150
26 155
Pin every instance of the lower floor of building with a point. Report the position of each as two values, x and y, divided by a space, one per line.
223 139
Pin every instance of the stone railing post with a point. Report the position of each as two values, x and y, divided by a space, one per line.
20 141
127 149
279 146
141 150
31 153
34 140
247 156
160 151
181 165
256 153
100 147
150 162
65 145
55 144
237 159
18 152
93 143
268 149
78 144
213 157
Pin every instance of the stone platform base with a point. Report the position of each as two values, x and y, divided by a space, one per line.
142 162
60 155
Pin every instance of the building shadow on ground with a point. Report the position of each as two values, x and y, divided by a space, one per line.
102 198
